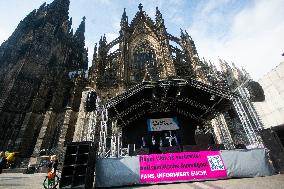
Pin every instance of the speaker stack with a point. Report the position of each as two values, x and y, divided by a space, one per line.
78 167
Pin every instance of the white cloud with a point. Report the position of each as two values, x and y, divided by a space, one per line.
116 24
110 37
211 6
90 47
173 11
104 1
254 41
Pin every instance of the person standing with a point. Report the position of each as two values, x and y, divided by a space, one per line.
3 161
52 167
11 156
143 142
166 140
154 147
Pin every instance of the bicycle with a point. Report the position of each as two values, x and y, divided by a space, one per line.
36 168
51 181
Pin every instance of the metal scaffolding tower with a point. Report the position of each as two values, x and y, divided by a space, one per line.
102 150
248 116
222 132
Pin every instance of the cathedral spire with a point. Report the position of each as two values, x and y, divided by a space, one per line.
124 17
95 57
59 9
186 35
140 7
95 52
186 38
61 3
80 32
182 36
159 18
69 24
42 7
124 21
103 41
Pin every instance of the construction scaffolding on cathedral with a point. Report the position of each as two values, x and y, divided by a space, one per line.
188 115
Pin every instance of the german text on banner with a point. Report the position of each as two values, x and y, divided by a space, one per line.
162 124
181 166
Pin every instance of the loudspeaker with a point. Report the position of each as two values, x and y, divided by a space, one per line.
194 148
276 150
216 147
78 166
91 101
141 151
170 149
108 142
131 149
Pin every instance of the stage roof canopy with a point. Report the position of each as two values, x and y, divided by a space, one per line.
189 98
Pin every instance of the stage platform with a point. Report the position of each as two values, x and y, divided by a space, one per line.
237 163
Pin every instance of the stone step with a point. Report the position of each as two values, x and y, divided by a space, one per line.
15 170
23 170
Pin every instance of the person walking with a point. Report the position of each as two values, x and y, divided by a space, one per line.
52 167
3 161
52 179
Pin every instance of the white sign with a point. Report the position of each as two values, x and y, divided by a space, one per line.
163 124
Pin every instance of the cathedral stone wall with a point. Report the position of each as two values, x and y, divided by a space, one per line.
42 68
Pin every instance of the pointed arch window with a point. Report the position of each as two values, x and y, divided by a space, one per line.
144 62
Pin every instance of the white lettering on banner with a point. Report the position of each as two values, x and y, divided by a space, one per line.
163 124
145 176
193 173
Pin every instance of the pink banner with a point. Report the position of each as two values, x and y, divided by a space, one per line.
181 166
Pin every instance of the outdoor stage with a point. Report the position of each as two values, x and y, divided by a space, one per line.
165 109
160 132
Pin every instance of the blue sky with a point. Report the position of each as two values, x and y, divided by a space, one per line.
249 33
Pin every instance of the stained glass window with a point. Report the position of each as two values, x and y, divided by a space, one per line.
144 63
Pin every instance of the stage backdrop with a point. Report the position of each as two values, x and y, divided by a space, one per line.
162 124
